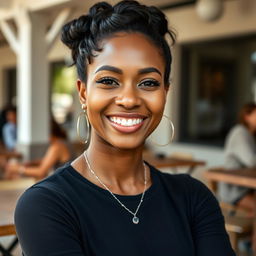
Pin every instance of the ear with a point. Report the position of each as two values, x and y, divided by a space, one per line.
81 88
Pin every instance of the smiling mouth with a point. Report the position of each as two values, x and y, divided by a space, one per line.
127 122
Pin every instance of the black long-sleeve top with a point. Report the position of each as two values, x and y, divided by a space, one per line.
67 215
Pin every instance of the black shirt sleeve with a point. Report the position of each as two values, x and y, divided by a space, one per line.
45 225
207 222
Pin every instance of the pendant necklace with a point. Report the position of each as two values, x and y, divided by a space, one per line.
135 219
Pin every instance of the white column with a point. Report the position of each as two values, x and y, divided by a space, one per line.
33 85
2 91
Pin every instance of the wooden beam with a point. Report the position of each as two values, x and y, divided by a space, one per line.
6 14
54 31
10 36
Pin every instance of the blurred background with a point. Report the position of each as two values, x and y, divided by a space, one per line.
213 73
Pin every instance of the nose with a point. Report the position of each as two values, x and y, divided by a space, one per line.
128 98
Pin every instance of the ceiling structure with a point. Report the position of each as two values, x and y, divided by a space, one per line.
52 7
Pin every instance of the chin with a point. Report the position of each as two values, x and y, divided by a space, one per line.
127 144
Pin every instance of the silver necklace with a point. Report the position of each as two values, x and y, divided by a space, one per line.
135 219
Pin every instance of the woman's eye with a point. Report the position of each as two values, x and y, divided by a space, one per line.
149 83
107 81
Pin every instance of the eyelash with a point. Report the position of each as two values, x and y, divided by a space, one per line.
153 83
108 81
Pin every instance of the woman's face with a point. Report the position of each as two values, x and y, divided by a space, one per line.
125 93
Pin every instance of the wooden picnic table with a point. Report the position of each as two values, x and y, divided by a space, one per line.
169 161
10 154
245 177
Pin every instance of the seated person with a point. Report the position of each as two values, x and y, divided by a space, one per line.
240 152
9 131
56 155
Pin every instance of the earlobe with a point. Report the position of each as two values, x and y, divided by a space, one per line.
81 88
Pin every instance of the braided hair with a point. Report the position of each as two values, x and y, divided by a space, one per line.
83 35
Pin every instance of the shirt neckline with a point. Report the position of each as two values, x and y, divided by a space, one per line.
148 193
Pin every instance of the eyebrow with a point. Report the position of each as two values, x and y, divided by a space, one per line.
149 70
109 68
119 71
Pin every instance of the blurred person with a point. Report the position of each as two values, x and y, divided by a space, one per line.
109 201
57 154
240 152
2 123
9 130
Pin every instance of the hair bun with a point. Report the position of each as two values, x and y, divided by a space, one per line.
83 35
75 31
158 20
99 8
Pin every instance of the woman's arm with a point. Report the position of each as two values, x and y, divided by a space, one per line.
208 227
49 160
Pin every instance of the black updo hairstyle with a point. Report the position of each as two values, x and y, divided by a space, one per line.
84 34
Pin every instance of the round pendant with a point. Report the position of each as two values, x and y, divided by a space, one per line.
135 220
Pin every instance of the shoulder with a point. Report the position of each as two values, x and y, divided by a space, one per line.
49 198
184 185
7 126
179 181
238 135
50 190
238 130
55 146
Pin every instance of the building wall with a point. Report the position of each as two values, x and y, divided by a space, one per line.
238 19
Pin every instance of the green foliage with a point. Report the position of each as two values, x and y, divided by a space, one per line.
64 79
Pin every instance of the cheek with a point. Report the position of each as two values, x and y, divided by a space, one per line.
97 102
156 103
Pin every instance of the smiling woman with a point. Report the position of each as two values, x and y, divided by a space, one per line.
109 201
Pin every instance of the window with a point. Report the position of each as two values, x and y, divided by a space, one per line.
217 79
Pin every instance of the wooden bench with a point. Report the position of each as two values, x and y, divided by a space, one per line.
237 223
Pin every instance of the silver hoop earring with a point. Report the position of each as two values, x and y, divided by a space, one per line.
87 124
171 138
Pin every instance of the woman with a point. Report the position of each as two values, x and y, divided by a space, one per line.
56 155
109 201
240 152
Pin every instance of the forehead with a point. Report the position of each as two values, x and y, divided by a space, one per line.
128 50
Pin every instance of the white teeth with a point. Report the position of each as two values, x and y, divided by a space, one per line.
125 121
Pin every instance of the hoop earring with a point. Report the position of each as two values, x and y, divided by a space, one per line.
88 127
172 127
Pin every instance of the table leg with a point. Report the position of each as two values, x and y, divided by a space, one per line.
13 244
7 252
4 251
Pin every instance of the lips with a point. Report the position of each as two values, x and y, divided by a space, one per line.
126 123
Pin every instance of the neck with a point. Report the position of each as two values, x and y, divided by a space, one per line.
116 165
